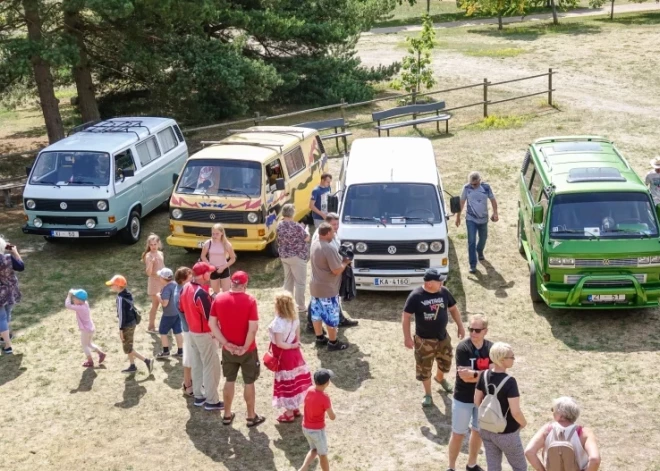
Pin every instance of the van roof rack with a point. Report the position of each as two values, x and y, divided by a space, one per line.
551 140
112 126
268 131
82 127
246 143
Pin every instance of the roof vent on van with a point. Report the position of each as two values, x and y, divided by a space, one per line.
594 174
577 147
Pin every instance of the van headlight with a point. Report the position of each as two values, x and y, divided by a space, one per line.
37 222
177 213
436 246
102 205
655 259
643 260
361 247
422 247
30 204
349 245
561 262
90 223
252 217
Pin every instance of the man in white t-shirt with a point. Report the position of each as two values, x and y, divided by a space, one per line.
652 180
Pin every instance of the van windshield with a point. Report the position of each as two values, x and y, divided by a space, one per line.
394 203
71 168
612 215
221 177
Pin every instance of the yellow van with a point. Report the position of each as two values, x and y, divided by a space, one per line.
242 182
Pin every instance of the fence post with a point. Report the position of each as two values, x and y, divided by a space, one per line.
485 98
257 115
550 87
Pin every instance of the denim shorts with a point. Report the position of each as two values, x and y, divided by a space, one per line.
5 316
317 440
168 323
326 310
460 417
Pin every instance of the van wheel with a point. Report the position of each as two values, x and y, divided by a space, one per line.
521 247
131 233
272 250
533 285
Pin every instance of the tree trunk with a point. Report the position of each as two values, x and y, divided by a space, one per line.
499 21
428 6
612 11
81 71
555 19
42 75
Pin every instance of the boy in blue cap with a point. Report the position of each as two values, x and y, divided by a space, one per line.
76 300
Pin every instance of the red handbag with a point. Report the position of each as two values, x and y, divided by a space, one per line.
270 361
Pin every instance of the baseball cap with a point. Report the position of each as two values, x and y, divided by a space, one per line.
80 294
202 268
433 274
165 273
240 278
116 280
322 376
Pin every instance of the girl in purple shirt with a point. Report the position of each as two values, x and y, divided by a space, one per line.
76 300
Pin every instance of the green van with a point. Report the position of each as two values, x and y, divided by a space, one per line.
587 226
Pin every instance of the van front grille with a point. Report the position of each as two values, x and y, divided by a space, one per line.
69 205
379 247
65 220
605 262
573 279
217 215
206 231
391 264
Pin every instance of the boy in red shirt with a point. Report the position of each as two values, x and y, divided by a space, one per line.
317 403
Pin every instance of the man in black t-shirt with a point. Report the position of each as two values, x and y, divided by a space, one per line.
430 304
472 357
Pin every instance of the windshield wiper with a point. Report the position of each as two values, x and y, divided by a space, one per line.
231 190
42 182
629 231
415 219
576 231
362 218
187 188
81 182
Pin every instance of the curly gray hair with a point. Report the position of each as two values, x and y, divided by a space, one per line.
288 210
566 408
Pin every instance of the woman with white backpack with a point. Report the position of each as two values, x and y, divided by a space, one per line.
500 417
566 446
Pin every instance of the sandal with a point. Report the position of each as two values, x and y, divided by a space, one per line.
88 364
187 390
256 420
285 418
296 413
229 420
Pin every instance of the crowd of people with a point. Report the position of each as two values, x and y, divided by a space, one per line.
208 308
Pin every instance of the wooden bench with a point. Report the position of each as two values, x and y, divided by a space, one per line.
415 111
10 184
339 126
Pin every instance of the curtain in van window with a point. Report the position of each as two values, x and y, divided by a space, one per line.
167 140
148 151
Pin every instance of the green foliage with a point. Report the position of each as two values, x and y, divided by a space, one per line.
498 8
501 122
416 66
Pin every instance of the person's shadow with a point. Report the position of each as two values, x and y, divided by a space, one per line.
11 368
87 379
492 280
351 367
292 442
441 422
133 392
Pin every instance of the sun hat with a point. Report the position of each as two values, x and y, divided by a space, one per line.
117 280
433 274
165 273
322 376
80 294
240 278
202 268
655 163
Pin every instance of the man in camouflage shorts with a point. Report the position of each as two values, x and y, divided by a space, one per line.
430 304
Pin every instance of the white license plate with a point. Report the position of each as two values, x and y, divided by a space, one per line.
391 281
64 234
200 244
606 298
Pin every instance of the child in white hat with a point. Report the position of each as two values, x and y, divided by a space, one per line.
76 300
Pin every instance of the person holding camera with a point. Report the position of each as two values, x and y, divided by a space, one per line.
9 292
327 267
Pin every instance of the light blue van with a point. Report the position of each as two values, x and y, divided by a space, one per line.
102 179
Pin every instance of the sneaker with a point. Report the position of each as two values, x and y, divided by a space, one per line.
199 401
7 351
101 357
345 322
321 342
332 347
476 467
444 384
130 369
179 353
481 257
162 355
428 401
152 331
473 270
217 406
150 364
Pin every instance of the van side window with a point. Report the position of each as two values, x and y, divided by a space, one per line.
148 151
167 140
544 203
537 185
123 161
178 133
528 172
273 172
295 161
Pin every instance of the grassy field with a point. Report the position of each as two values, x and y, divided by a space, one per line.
59 416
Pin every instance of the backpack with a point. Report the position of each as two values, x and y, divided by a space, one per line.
560 454
136 312
490 410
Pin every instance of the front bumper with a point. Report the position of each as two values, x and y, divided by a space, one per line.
365 280
563 296
82 233
237 244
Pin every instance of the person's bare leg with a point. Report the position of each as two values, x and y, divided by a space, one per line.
131 357
152 313
318 327
325 464
228 396
187 376
309 459
5 337
455 443
164 341
179 341
439 376
474 447
427 386
137 355
250 395
215 286
332 333
225 284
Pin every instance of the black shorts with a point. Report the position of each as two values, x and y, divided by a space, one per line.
220 276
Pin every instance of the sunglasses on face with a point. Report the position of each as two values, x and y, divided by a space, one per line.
476 331
510 358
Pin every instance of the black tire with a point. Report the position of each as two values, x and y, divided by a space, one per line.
272 250
521 248
131 233
533 285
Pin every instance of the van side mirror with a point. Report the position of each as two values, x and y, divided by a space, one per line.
175 177
455 204
537 214
127 172
333 203
279 184
28 169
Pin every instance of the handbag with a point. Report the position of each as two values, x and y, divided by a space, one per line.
270 361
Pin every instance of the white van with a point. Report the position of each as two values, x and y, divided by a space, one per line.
103 179
392 212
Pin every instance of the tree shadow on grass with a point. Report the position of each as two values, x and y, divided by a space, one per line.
650 18
625 330
535 31
227 445
441 422
293 443
10 367
133 392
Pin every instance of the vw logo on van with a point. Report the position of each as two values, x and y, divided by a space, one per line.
391 250
212 217
606 262
63 205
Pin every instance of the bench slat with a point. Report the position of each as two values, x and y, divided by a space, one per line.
400 124
406 110
339 134
322 125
